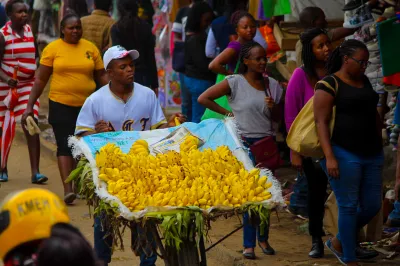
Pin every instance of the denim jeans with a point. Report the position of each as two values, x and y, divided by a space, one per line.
196 87
186 99
395 214
358 193
103 245
250 232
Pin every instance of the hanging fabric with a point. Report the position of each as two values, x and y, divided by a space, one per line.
389 39
274 8
253 8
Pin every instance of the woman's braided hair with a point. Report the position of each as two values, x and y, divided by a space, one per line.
348 48
238 15
245 53
307 54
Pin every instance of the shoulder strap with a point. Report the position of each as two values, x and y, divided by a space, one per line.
237 66
326 84
267 86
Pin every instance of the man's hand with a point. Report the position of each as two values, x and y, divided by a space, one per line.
179 116
12 83
101 127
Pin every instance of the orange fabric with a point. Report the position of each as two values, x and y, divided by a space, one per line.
269 37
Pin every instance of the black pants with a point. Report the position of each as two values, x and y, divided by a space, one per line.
63 120
317 185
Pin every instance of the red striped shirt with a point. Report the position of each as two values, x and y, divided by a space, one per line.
19 51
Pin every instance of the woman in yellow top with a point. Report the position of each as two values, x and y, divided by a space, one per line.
75 64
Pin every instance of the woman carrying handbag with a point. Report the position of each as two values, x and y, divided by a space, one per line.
254 113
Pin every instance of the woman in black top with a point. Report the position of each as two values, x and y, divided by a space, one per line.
353 154
133 33
198 78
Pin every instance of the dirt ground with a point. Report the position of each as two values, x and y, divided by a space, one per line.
290 243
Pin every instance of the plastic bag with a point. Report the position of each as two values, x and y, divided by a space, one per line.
223 101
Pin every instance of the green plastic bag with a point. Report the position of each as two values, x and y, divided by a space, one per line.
223 101
276 8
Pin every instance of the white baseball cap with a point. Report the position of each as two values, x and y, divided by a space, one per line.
118 52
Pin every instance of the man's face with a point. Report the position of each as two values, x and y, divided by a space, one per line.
321 22
122 70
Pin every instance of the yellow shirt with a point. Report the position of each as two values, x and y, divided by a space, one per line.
73 68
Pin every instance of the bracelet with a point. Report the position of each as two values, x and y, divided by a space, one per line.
229 114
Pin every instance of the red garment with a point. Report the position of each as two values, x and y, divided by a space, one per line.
19 63
392 80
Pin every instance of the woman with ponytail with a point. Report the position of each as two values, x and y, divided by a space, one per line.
353 153
226 63
310 190
256 103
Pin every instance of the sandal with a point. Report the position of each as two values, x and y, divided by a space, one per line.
4 176
249 255
338 254
267 251
69 198
39 179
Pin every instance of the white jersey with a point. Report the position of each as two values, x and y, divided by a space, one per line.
141 112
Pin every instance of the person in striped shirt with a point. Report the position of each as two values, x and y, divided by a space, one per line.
17 48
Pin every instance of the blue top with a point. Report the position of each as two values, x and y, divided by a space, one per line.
222 29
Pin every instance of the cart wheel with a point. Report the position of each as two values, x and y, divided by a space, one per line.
188 255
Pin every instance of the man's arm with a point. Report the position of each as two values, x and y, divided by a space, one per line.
340 33
87 119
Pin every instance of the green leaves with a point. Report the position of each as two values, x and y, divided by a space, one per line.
74 174
180 225
260 213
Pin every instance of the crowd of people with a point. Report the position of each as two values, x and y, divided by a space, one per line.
99 64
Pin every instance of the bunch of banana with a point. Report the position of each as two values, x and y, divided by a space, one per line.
189 144
193 178
140 147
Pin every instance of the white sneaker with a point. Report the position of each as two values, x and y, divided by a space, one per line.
373 46
379 88
391 2
376 74
372 68
389 12
361 17
375 60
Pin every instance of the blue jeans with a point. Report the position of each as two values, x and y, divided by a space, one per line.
250 232
395 214
358 194
196 87
186 99
103 245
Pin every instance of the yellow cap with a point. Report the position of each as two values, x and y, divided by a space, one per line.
28 215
